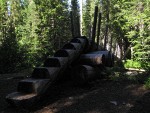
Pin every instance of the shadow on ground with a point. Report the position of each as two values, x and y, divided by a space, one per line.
142 105
101 96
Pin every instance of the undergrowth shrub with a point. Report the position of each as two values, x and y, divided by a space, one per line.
147 83
132 64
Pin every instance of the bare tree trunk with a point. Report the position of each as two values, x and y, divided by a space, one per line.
94 25
78 26
107 26
72 24
120 48
110 43
98 30
126 52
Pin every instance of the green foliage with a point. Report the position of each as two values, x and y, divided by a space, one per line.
119 74
136 64
147 83
132 64
31 30
88 16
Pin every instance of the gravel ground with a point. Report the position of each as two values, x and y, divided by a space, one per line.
100 96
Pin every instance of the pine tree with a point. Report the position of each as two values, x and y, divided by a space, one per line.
75 13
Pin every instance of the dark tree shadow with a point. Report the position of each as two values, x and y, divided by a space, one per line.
142 105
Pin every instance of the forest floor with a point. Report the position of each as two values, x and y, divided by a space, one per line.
120 92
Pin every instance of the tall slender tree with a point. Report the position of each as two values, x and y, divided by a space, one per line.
76 17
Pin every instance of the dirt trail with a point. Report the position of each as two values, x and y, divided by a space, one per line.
100 96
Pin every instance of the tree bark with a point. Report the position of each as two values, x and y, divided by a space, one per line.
98 30
72 24
94 25
107 26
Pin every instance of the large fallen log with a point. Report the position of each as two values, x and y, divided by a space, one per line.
31 89
86 48
82 74
61 62
71 54
45 73
56 62
83 41
22 99
32 85
74 46
108 57
92 59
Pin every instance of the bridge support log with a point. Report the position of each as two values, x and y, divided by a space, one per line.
108 57
45 73
83 41
73 46
82 74
92 59
31 85
56 62
71 54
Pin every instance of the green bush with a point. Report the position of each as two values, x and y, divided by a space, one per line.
147 83
132 64
137 64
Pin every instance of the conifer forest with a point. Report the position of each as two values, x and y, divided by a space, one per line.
33 32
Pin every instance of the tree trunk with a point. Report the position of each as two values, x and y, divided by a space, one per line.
98 30
107 26
78 26
72 24
94 25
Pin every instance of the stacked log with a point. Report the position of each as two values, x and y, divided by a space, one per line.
92 59
91 65
31 85
83 41
60 62
70 54
32 88
74 46
45 73
88 69
55 62
82 74
108 57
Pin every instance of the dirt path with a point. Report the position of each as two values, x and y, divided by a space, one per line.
101 96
